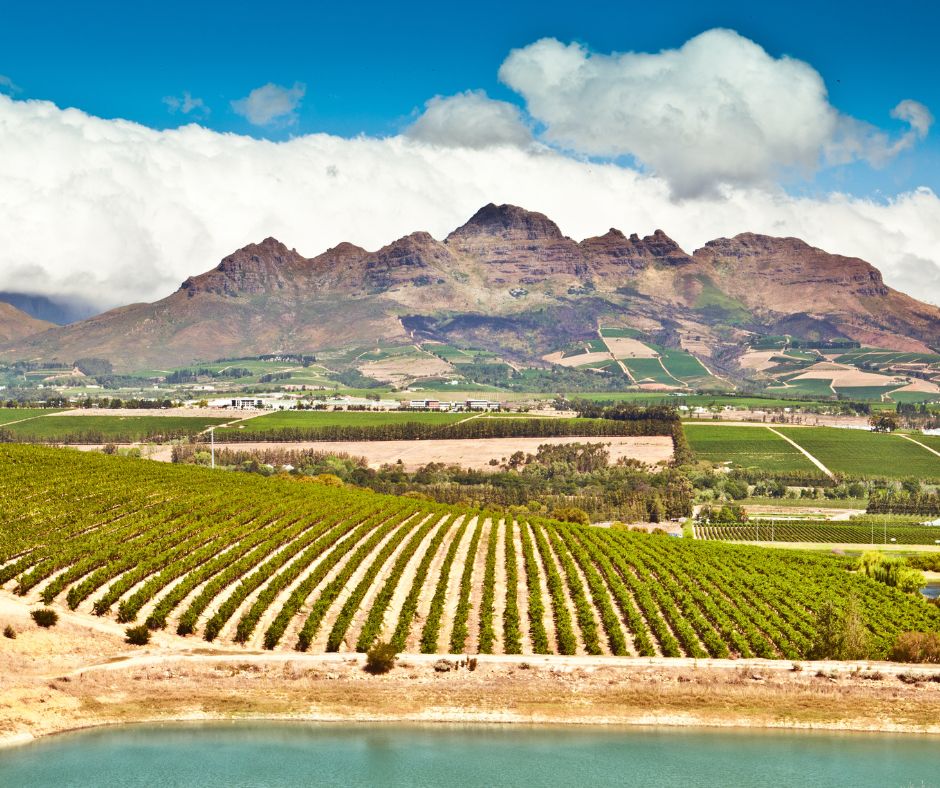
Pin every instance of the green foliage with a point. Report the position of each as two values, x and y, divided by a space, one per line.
44 617
381 657
841 632
138 636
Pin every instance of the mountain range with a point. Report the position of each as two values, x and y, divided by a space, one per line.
508 280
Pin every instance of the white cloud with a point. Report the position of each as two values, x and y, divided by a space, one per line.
470 120
717 111
7 85
271 104
186 104
116 212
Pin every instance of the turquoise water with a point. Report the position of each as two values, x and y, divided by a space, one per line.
275 754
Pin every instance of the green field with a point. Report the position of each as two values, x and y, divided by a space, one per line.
808 387
915 397
649 368
864 392
19 414
745 447
332 418
683 365
279 564
863 453
614 333
850 453
101 429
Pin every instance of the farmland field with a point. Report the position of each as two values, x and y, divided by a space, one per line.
863 453
324 418
643 368
100 429
807 387
821 531
864 392
683 365
19 414
745 447
283 564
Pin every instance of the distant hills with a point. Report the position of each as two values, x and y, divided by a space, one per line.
508 281
16 324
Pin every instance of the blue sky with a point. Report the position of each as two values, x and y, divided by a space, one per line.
368 67
325 122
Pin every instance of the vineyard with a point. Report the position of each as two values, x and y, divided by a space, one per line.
863 533
285 564
849 454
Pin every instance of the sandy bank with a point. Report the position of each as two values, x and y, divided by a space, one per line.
76 676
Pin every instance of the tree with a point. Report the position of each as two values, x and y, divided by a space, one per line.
840 634
884 422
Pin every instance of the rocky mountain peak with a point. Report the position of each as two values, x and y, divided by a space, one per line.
508 222
255 268
614 249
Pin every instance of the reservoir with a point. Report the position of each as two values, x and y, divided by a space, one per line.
310 754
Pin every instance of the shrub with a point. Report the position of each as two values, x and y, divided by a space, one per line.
381 657
45 617
138 636
571 514
916 647
9 632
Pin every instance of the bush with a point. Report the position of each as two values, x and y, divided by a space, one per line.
916 647
571 514
138 636
9 632
381 657
45 617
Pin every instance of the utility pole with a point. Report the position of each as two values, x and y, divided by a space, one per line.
212 443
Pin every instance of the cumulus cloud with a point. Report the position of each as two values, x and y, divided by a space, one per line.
271 104
470 120
116 212
186 104
7 85
717 111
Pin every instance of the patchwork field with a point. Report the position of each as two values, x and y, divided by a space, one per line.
281 564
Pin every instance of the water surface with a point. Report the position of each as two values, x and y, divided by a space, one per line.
301 754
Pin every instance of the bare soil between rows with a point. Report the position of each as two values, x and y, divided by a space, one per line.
77 676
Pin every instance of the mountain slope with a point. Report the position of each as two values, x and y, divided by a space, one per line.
508 280
16 324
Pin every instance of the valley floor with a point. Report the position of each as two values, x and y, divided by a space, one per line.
81 674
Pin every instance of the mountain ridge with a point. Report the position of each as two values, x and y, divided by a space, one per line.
508 279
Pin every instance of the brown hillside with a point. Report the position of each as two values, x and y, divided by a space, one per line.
508 279
16 324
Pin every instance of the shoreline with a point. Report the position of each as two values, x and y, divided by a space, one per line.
559 692
675 723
